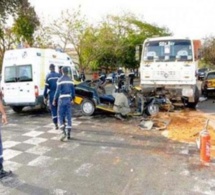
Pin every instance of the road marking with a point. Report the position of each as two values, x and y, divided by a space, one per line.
35 140
84 169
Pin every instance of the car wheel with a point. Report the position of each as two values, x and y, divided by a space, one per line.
204 93
196 97
87 107
17 109
152 109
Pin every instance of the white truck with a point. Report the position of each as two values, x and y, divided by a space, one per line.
168 68
24 72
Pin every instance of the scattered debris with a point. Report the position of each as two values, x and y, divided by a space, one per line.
161 124
155 123
146 125
202 99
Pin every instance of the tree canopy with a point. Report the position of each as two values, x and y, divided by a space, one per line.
25 22
108 44
7 7
208 51
116 39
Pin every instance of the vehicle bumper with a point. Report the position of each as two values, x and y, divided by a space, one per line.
38 101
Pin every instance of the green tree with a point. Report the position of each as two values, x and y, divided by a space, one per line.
7 7
69 31
117 38
7 40
26 22
42 39
89 51
208 51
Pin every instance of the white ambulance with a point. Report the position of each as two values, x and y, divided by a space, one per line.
24 72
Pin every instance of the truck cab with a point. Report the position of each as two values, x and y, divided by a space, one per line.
168 67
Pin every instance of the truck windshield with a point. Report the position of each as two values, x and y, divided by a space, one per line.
168 50
19 73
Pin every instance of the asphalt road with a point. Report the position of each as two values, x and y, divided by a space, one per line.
106 156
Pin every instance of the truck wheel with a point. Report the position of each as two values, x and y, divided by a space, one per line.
87 107
152 109
196 99
17 109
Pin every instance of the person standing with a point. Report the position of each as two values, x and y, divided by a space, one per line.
65 95
3 173
82 76
113 77
50 88
131 76
60 70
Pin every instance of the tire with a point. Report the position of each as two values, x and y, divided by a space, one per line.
196 99
87 107
152 109
205 93
17 109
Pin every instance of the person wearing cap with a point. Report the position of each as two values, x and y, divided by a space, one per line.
50 88
65 95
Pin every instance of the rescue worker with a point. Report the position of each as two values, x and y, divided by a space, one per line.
50 88
113 77
131 76
65 95
82 76
121 103
60 70
3 173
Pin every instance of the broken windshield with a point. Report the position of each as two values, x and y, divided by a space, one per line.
168 50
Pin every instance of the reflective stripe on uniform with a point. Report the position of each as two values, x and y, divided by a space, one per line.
68 127
53 78
64 82
65 95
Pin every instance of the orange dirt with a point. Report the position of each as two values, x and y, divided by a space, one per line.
185 126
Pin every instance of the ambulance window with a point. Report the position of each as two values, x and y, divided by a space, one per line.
75 75
24 73
69 72
10 74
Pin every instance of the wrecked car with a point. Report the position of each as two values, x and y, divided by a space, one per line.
91 99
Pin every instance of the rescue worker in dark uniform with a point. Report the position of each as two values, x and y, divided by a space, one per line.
3 173
50 88
65 95
82 76
60 70
131 76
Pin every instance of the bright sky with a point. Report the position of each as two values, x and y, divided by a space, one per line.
190 18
